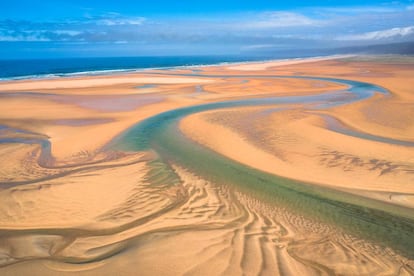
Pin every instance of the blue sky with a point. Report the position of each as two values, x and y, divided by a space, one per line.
158 27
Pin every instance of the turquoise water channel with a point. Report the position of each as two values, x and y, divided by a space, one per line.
385 224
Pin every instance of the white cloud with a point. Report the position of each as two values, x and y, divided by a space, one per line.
382 34
281 19
258 46
355 10
67 32
27 38
121 21
8 38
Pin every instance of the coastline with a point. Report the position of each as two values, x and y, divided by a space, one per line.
110 72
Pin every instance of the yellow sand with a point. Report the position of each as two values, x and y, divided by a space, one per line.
34 85
261 66
95 211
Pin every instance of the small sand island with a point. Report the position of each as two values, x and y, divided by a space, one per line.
302 167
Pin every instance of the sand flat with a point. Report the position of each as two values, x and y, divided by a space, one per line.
261 66
302 149
76 206
93 82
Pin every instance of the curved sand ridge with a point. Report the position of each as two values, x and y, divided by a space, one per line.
88 211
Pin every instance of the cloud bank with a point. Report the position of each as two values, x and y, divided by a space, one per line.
237 32
393 33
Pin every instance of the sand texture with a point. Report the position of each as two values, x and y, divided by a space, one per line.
272 169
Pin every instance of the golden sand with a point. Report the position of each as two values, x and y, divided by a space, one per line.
90 210
262 66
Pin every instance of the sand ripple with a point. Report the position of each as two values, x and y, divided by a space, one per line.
217 229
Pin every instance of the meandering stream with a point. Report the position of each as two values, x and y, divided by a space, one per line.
382 223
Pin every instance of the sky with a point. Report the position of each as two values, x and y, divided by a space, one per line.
53 28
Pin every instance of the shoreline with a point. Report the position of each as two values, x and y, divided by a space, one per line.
117 72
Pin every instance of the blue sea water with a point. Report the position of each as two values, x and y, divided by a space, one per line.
38 68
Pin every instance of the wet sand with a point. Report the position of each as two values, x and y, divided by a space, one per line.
72 204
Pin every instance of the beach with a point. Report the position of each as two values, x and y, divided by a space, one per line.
300 167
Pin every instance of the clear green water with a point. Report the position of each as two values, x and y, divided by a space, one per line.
387 225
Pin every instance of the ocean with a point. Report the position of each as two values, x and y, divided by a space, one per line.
43 68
